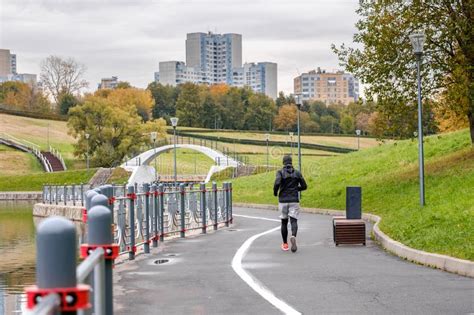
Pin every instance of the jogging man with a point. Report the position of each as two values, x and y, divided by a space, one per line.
288 183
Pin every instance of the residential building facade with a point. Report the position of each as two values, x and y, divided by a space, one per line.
108 83
327 87
260 77
8 69
217 59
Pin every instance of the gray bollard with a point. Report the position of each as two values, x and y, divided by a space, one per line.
154 191
99 229
202 187
56 254
161 209
182 210
131 197
108 190
89 195
146 245
56 267
214 191
353 202
99 200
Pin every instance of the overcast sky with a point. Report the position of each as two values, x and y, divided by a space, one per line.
128 38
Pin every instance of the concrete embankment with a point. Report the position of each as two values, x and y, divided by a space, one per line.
20 195
46 210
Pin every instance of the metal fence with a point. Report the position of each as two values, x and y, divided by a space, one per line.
119 219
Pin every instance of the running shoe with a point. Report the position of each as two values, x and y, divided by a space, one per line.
293 244
284 246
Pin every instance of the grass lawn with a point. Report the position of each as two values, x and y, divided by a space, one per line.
388 176
336 141
15 162
188 162
35 181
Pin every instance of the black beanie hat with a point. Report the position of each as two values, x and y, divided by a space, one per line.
287 160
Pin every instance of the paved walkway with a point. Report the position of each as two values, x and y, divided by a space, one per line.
319 279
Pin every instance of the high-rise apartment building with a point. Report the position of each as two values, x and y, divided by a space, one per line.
260 77
328 87
6 63
217 59
214 54
8 69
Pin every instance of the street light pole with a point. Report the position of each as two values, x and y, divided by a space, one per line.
298 105
267 138
358 139
291 143
417 41
87 148
153 135
174 123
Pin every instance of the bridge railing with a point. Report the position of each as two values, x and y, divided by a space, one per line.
118 220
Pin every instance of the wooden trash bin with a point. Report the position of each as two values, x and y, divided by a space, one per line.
347 231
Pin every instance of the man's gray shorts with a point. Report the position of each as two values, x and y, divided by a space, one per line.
291 209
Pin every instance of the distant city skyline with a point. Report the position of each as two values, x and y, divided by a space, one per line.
128 38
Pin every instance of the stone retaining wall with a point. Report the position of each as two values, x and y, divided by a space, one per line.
21 195
46 210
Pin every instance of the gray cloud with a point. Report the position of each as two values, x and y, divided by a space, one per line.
129 37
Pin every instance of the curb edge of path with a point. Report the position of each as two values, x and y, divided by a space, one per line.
447 263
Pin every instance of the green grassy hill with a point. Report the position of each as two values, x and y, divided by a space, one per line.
388 175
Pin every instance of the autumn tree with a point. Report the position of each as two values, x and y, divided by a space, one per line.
115 130
21 96
165 97
62 76
386 63
136 98
286 118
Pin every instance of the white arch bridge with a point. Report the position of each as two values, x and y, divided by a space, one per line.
143 172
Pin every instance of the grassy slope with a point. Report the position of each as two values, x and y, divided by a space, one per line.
14 162
337 141
388 176
35 181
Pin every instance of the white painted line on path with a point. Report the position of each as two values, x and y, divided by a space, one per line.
247 277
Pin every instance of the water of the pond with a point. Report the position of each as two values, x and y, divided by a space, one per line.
18 253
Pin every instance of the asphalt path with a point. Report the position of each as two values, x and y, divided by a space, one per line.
203 275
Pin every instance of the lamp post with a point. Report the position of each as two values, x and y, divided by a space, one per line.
299 101
417 41
291 142
87 149
267 138
358 139
153 135
174 123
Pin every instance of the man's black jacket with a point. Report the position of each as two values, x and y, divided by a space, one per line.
289 182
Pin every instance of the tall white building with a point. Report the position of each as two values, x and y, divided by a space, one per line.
217 59
8 69
260 77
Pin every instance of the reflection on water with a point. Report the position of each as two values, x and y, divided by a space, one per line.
17 253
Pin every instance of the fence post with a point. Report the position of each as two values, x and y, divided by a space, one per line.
214 191
182 210
154 193
161 211
73 195
56 266
82 194
131 197
226 203
57 194
203 207
230 204
99 229
146 246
